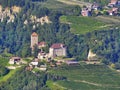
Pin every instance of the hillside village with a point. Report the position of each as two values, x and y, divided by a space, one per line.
58 51
111 9
56 56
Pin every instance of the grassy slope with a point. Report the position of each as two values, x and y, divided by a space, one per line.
53 4
89 77
6 77
75 2
54 86
82 25
3 61
115 20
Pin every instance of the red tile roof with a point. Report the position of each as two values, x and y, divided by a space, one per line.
113 1
57 45
42 43
34 34
16 58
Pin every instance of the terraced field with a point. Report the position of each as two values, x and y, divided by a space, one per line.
88 77
83 25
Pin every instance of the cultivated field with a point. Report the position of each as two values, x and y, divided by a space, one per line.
54 4
75 2
88 77
83 25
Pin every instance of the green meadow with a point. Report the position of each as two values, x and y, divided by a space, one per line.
83 25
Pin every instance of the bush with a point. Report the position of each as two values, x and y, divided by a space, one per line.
3 71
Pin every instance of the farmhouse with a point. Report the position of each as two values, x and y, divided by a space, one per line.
114 2
113 11
42 55
43 67
85 12
57 49
34 62
95 6
15 60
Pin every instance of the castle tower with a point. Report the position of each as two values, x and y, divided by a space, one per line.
34 40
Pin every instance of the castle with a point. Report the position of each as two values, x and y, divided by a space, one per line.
57 49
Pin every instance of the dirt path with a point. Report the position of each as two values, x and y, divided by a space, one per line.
59 86
74 2
96 84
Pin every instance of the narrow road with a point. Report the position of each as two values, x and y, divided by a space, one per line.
96 84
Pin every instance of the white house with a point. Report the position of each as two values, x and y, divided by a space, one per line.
43 67
41 55
15 60
34 62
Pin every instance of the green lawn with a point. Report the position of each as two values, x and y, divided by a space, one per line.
4 61
82 25
88 77
6 77
54 86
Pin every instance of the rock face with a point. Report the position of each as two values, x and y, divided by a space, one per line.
41 20
91 56
37 21
9 12
16 9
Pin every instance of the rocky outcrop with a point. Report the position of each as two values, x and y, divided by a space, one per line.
9 12
92 56
36 21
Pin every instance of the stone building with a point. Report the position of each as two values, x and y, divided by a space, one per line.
15 60
34 40
114 2
85 12
57 49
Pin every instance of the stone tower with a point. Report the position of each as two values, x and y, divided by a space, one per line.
34 40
